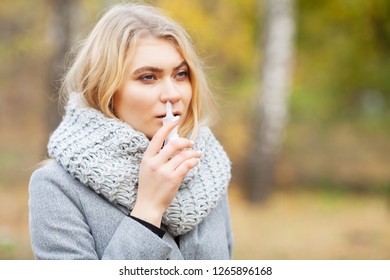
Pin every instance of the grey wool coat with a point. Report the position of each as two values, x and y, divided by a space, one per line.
70 221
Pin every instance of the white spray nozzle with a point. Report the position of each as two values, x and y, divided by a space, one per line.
168 112
169 117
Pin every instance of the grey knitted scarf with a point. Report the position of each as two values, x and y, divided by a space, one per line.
105 154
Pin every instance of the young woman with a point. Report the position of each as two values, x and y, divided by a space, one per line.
116 189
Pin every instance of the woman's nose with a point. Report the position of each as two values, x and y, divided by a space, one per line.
170 92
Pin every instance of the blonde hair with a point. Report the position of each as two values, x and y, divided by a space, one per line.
99 66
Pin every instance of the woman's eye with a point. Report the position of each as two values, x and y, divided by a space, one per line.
147 77
182 74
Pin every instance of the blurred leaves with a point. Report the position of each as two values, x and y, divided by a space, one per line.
344 52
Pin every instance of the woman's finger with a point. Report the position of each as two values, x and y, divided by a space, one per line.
173 147
181 157
159 138
185 167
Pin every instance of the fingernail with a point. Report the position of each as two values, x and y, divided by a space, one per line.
200 152
175 118
192 142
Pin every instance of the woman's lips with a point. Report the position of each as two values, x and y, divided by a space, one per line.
175 114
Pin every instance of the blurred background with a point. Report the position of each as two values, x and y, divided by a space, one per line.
323 67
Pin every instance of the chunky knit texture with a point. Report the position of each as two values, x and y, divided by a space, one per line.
105 154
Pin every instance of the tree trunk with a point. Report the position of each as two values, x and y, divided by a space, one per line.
62 29
272 99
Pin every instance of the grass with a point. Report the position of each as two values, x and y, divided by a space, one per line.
311 225
14 232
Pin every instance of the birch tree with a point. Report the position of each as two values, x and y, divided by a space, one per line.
271 107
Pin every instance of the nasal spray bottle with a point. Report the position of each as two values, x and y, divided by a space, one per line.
170 117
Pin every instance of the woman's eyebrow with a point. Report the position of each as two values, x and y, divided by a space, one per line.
183 63
156 69
147 69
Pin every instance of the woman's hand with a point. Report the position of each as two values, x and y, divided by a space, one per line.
161 173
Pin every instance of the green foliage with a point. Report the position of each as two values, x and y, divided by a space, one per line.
21 30
343 49
8 250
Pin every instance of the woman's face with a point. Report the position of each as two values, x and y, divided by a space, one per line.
157 73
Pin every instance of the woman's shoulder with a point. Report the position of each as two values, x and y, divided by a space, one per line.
52 177
49 169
